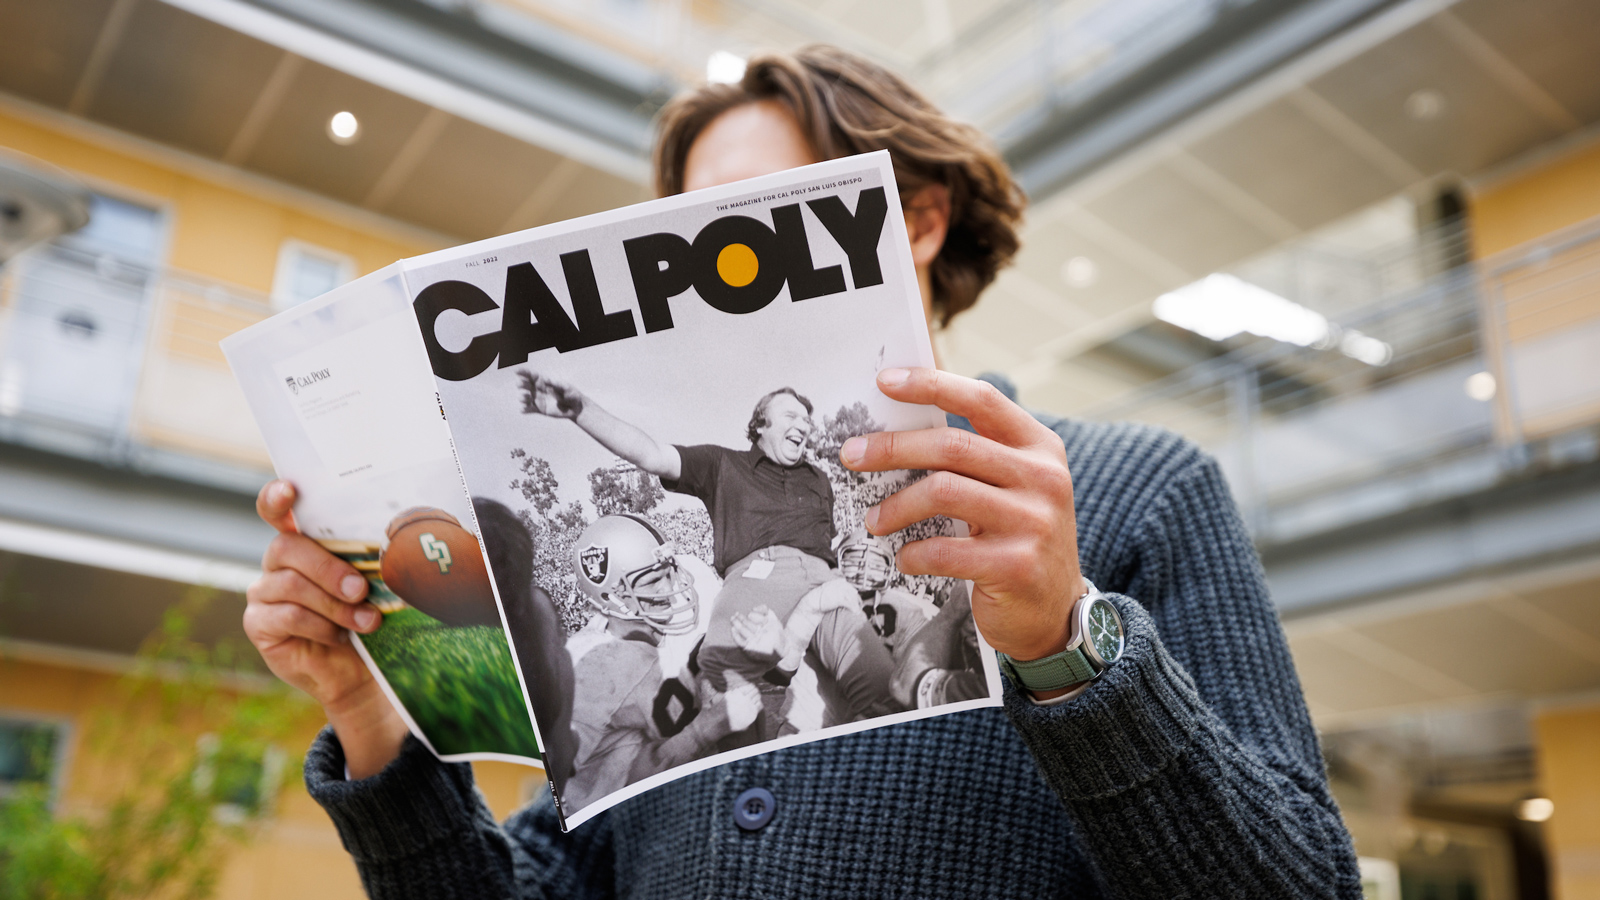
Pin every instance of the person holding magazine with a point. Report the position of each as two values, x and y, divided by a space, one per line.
1153 743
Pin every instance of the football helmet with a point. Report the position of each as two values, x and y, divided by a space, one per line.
629 571
865 561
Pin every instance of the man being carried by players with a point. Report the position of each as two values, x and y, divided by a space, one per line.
639 704
772 532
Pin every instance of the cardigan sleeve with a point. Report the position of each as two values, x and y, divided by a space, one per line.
1196 748
420 829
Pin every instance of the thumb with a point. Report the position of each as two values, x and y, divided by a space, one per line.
275 506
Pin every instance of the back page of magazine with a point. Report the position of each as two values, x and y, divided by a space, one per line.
341 391
652 401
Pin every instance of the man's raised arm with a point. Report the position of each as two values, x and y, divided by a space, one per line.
547 397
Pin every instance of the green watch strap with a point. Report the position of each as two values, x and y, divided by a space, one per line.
1053 672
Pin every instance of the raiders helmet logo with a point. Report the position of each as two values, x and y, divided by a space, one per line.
596 562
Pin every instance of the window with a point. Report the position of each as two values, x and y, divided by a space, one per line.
242 781
30 752
306 272
125 230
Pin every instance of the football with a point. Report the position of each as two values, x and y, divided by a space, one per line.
435 565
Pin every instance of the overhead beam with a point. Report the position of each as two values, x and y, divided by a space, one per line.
105 44
1506 72
125 556
147 524
1516 525
411 154
267 102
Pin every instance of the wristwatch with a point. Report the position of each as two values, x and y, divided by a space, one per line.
1096 643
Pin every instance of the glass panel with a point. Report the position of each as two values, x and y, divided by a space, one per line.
121 229
313 276
27 751
304 274
82 304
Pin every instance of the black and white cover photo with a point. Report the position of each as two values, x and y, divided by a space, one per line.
648 406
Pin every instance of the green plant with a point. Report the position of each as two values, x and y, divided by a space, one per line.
188 740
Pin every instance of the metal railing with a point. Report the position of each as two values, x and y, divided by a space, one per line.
114 360
1495 367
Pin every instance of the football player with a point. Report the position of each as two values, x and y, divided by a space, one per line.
639 704
933 665
867 562
535 630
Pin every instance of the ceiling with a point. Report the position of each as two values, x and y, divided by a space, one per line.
45 603
1490 641
1326 136
163 73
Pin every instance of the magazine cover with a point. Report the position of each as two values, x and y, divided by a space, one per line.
591 473
648 405
341 390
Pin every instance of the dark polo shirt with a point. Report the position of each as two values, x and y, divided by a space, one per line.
755 503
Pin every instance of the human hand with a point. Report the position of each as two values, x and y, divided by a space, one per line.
1009 483
724 712
548 397
759 633
741 702
295 615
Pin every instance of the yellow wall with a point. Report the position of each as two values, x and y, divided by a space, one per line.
1533 204
1569 764
297 853
216 230
225 226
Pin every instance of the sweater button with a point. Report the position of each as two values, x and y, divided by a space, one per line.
754 808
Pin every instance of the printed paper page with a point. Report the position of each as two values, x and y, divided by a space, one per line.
652 401
342 392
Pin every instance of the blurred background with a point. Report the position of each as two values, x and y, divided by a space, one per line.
1352 247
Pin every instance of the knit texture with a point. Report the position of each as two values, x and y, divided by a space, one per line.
1189 770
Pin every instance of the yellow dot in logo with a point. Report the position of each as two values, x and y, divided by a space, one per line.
737 264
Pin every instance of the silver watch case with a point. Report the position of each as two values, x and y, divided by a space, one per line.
1081 624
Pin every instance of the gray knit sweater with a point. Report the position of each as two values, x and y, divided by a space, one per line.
1190 769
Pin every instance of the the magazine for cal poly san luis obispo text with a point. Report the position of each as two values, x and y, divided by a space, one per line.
591 473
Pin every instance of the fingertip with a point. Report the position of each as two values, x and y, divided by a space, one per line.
871 519
280 495
367 619
853 450
893 377
352 586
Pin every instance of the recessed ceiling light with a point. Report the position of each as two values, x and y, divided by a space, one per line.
343 128
1425 105
723 67
1536 809
1480 386
1080 272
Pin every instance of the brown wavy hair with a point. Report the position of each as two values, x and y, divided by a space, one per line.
846 105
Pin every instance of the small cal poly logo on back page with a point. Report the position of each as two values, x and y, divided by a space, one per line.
437 551
596 561
296 382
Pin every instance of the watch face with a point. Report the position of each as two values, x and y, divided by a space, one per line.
1104 634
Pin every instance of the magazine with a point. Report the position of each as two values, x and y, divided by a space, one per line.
591 473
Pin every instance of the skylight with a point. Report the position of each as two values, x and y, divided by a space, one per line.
1221 306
